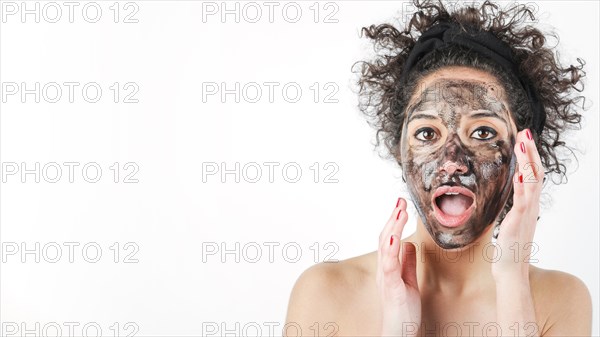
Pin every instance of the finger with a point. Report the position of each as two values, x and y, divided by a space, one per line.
524 159
399 223
519 201
386 232
409 264
391 268
396 231
384 236
400 204
536 160
532 163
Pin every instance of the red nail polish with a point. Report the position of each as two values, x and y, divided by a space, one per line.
520 177
522 147
398 216
528 133
398 202
391 240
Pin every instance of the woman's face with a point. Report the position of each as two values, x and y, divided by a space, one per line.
457 153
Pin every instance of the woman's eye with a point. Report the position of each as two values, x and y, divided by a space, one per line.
484 133
425 134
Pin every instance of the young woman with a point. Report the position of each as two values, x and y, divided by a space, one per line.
472 105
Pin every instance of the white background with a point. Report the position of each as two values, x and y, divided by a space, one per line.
170 215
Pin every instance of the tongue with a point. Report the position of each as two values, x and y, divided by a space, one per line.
454 204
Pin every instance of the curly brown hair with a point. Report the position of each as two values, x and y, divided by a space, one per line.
383 98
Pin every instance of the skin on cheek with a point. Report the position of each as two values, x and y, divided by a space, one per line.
428 175
492 168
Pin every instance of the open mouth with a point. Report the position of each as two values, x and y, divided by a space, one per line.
452 205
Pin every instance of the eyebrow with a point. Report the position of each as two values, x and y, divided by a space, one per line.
420 114
486 113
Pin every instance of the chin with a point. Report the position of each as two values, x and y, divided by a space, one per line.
450 241
446 240
461 237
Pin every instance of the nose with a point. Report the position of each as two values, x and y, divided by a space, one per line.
454 161
452 167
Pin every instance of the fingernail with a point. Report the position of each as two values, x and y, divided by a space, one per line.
398 202
520 177
391 239
522 147
398 216
528 133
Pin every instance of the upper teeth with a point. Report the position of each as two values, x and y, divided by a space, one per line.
451 193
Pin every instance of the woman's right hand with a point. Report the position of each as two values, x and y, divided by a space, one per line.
397 278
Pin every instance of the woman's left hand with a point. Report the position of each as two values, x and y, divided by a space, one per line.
515 239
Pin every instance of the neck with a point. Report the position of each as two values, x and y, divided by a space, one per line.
455 271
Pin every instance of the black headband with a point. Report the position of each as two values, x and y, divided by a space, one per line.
485 43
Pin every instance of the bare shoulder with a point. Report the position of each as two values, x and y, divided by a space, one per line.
563 300
551 285
324 293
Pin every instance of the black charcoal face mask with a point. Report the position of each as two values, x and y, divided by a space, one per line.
458 161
